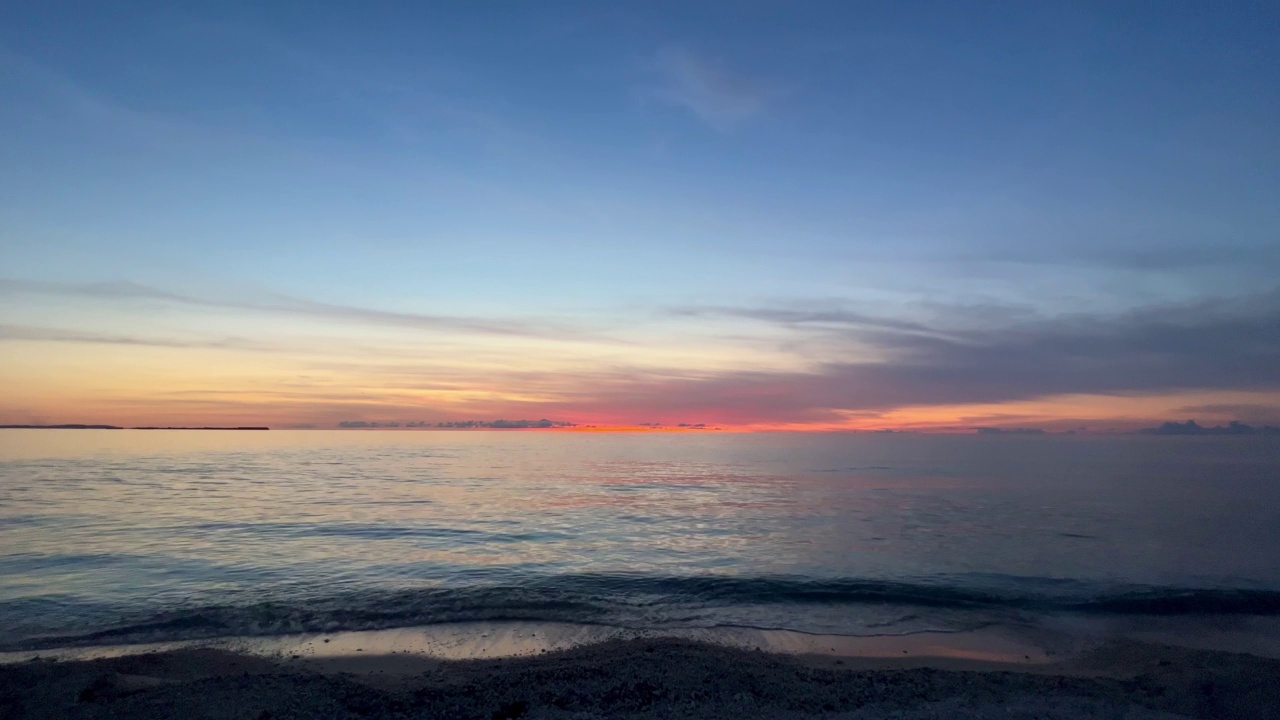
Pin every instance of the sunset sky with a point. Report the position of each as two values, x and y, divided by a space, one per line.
755 215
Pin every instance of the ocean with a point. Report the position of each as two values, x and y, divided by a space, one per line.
142 536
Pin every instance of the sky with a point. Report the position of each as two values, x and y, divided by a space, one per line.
755 215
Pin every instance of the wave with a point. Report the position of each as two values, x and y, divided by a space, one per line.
1035 594
861 606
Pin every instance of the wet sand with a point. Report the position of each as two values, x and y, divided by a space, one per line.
642 678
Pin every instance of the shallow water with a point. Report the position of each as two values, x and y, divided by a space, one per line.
152 535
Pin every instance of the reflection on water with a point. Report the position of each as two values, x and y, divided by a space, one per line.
100 525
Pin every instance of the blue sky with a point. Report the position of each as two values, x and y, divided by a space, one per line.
663 174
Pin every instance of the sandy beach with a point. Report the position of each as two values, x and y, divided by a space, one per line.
641 678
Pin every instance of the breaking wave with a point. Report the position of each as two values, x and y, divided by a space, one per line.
841 606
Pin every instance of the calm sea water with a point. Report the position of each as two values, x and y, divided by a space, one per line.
118 536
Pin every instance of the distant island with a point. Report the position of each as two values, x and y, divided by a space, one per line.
243 428
464 424
1191 427
117 427
60 427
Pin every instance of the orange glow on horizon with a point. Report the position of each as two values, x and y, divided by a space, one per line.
165 387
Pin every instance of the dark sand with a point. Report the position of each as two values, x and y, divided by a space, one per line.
644 678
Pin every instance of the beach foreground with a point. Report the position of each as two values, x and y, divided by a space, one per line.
650 678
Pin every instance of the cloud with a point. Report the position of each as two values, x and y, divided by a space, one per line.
869 364
1157 258
699 86
1248 412
42 334
106 290
1213 345
1209 346
298 307
402 104
80 100
801 317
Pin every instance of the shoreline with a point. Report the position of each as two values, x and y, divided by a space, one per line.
643 677
1051 639
510 639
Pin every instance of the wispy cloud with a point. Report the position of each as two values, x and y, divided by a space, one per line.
45 334
1166 257
80 100
299 307
1247 412
403 105
1001 357
799 316
705 89
1212 346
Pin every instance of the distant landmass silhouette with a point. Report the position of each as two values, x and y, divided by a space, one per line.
60 427
242 428
501 424
1191 427
117 427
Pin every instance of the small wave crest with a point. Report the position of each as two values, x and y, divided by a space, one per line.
839 606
